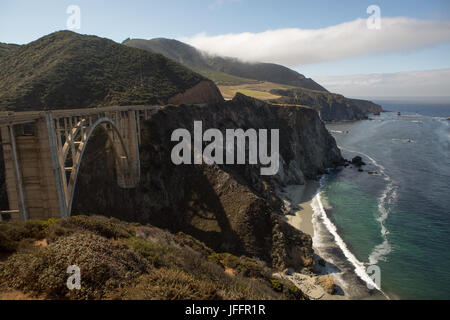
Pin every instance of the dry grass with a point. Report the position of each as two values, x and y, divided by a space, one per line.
259 90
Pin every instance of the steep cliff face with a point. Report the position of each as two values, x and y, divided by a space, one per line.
230 207
331 106
203 92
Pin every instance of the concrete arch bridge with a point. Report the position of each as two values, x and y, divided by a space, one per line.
43 150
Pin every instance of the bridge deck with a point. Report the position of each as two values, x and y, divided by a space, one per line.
13 117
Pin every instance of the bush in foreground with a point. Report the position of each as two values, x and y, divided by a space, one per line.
119 260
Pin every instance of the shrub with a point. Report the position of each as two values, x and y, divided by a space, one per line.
295 292
105 266
109 228
169 284
276 285
187 240
114 263
244 265
13 233
154 253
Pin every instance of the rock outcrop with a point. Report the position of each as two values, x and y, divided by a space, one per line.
203 92
232 208
331 106
327 283
357 161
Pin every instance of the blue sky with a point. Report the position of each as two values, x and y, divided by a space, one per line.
24 21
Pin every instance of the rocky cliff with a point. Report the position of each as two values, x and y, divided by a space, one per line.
232 208
203 92
331 106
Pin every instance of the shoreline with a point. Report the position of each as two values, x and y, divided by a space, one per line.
298 202
303 214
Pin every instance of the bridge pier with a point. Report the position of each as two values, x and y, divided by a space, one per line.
127 167
29 173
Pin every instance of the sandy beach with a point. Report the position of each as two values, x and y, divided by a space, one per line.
302 220
297 200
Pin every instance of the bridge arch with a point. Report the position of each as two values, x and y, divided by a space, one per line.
123 164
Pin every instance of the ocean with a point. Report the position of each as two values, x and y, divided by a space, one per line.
398 217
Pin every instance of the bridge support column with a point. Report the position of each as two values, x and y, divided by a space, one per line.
128 166
32 174
13 177
133 132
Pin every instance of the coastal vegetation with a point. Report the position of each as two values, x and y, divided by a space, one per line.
6 48
120 260
68 70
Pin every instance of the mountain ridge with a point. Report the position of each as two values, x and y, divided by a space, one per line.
203 63
266 81
69 70
6 48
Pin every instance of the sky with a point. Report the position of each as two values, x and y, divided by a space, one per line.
337 43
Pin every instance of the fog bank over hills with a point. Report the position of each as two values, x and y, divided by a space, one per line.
299 46
221 69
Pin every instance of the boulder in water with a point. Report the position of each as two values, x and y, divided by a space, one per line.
321 262
357 161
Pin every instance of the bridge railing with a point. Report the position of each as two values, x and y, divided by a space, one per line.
18 117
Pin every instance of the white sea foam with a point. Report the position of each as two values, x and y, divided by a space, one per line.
319 211
360 269
336 131
403 140
387 198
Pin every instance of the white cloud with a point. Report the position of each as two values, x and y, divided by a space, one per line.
402 84
295 47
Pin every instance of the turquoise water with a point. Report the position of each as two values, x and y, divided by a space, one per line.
398 219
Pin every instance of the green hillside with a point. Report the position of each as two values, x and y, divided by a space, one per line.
69 70
6 48
224 71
